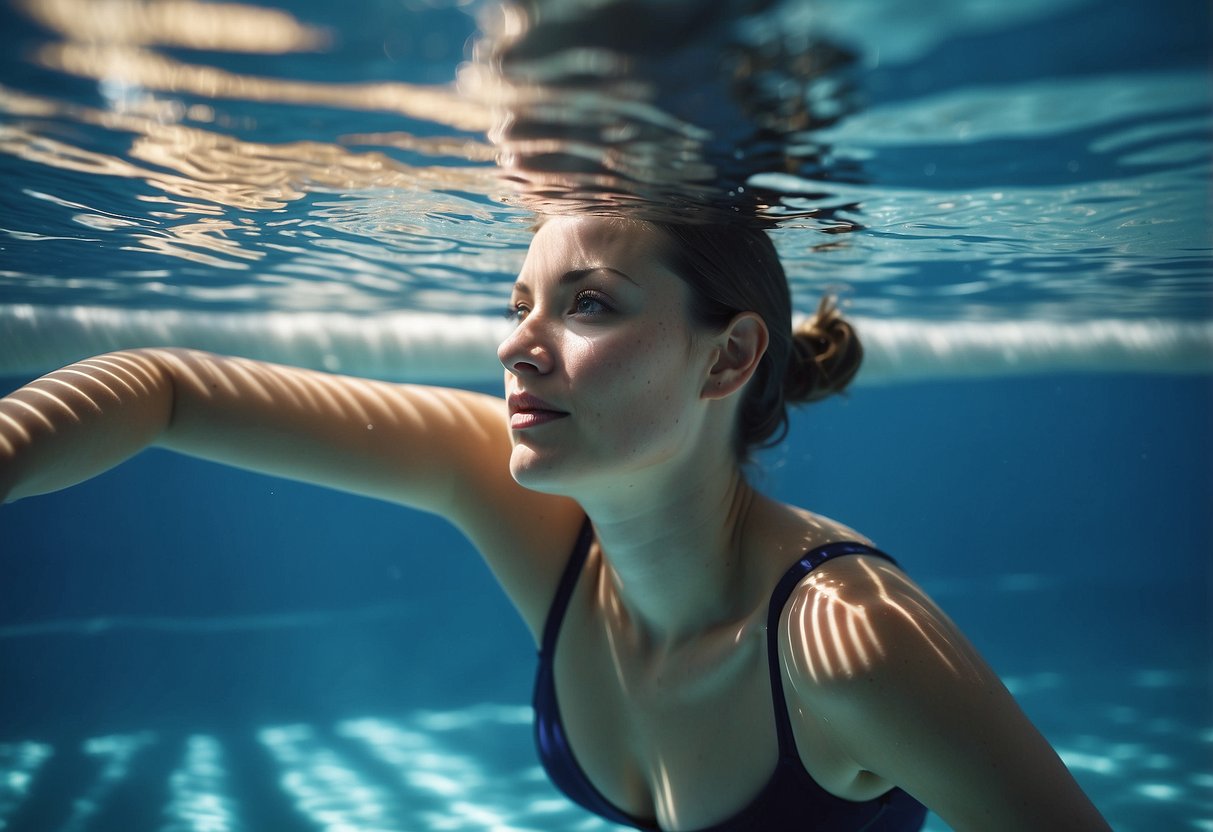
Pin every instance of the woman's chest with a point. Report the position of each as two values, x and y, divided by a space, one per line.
688 738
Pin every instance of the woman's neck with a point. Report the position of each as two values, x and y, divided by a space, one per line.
674 554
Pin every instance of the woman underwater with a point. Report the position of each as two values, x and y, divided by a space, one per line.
709 658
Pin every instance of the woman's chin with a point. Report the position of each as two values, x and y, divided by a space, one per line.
532 471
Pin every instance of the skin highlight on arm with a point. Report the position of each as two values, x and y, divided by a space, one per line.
394 442
76 422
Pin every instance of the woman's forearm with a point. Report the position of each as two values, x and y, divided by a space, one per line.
76 422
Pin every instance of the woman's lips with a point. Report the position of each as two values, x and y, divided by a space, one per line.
527 411
524 419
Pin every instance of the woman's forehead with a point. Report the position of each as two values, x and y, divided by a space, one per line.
595 241
570 245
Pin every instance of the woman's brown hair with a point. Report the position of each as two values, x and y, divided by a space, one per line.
733 268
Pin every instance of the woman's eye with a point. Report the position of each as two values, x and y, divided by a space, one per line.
516 312
590 303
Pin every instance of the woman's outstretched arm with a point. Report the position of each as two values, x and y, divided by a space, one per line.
396 442
437 449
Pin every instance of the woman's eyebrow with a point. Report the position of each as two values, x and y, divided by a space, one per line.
569 277
578 274
574 276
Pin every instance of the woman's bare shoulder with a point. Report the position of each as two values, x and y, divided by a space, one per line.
909 698
788 531
859 617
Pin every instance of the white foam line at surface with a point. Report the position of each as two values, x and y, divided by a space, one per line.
910 350
415 346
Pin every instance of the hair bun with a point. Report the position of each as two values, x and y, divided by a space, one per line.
826 355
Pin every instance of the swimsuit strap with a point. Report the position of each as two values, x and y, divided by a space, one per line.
779 599
568 580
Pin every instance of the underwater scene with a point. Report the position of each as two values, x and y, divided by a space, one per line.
1011 201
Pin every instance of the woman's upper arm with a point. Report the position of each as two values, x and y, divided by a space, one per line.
441 450
408 444
909 699
438 449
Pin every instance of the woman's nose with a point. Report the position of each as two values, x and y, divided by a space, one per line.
525 351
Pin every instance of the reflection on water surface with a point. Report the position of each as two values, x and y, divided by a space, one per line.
962 163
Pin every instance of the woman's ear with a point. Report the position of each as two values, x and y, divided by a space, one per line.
739 348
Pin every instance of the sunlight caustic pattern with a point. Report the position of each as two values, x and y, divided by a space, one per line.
834 633
323 784
822 624
19 764
427 771
63 402
472 769
462 793
199 791
117 754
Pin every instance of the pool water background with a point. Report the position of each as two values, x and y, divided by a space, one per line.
1061 520
187 647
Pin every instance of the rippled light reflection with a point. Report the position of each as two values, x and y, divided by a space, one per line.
227 27
472 769
19 765
325 787
117 753
150 70
198 791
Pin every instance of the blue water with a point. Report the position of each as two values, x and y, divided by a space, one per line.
1062 521
189 647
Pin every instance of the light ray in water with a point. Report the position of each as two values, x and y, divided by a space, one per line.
453 788
472 768
19 765
199 798
324 785
260 622
117 751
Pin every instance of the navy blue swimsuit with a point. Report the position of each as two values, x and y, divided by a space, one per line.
791 799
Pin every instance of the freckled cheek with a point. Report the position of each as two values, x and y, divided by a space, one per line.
645 368
655 398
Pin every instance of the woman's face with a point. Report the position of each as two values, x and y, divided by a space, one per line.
604 369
